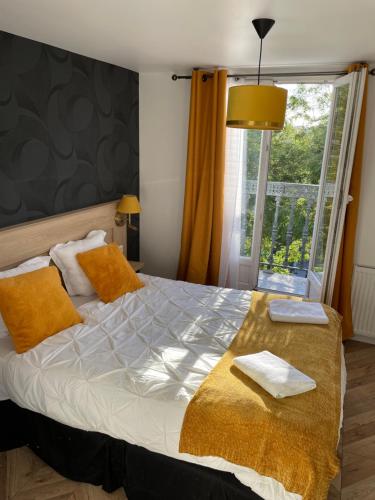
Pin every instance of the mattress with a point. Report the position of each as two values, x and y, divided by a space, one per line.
131 369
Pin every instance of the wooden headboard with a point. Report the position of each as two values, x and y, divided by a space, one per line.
27 240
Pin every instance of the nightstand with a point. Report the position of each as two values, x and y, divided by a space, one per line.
136 265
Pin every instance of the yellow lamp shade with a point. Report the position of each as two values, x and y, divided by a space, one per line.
259 107
129 204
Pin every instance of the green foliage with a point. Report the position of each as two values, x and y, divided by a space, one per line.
279 256
296 153
296 157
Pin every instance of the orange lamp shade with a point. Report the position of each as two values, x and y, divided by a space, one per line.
129 204
260 107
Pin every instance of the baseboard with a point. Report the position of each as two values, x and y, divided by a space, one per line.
364 338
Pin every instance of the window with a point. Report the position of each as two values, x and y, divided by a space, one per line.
329 181
294 167
287 208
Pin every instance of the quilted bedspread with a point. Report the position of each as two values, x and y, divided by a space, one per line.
131 369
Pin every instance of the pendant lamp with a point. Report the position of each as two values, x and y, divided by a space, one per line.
260 107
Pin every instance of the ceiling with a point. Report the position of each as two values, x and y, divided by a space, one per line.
176 35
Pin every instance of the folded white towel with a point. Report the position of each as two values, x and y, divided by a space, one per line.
275 375
293 311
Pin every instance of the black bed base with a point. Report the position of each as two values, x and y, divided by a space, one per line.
99 459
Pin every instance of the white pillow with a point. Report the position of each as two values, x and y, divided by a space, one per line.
275 375
25 267
64 256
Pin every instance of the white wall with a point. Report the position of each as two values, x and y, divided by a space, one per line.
365 241
164 113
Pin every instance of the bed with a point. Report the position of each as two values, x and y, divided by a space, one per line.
125 377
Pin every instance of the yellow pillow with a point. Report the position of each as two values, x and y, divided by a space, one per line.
109 272
35 306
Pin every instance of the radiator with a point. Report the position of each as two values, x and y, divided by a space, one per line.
363 301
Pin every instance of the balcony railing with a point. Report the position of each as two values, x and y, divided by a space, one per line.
298 200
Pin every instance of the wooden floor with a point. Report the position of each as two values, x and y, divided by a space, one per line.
23 476
358 470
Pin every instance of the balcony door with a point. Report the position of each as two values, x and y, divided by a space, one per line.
293 190
334 184
279 183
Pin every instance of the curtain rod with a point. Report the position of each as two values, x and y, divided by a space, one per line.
265 75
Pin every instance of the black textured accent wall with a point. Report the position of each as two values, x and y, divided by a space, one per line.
69 134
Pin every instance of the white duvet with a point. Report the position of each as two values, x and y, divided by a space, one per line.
132 368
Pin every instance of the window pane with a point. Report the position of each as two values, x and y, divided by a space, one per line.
250 174
293 181
341 99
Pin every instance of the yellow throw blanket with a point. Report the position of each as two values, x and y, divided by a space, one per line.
292 440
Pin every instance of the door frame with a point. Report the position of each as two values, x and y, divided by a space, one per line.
345 198
314 284
323 289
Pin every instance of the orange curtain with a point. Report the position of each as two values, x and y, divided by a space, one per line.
341 300
204 185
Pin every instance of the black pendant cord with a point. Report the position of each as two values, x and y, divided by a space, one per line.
260 59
